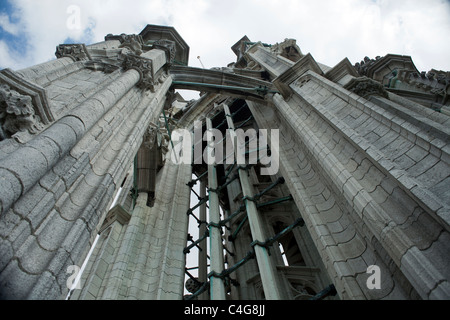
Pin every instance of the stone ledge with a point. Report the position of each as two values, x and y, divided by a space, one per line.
119 214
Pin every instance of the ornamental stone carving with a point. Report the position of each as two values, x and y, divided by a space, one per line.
365 64
77 52
132 42
366 87
288 49
150 136
156 137
17 114
143 66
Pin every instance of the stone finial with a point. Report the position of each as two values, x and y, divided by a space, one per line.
17 113
77 52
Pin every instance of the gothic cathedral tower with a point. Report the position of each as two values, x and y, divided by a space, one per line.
286 179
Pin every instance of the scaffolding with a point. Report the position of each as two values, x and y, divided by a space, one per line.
218 279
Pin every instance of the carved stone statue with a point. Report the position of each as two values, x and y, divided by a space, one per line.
16 113
132 42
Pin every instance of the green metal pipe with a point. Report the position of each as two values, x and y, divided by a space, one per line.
276 201
328 291
233 215
195 243
244 123
261 90
238 229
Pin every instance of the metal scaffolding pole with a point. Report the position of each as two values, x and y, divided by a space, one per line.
203 255
266 268
217 287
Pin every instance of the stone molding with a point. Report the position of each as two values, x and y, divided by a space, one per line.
96 65
219 81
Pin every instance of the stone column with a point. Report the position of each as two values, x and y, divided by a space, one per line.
24 167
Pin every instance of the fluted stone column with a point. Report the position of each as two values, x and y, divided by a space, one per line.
22 169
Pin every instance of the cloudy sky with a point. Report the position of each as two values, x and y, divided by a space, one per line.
328 29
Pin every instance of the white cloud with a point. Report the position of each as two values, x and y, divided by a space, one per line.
330 29
6 58
7 26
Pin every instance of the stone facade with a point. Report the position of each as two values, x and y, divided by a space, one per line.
87 156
